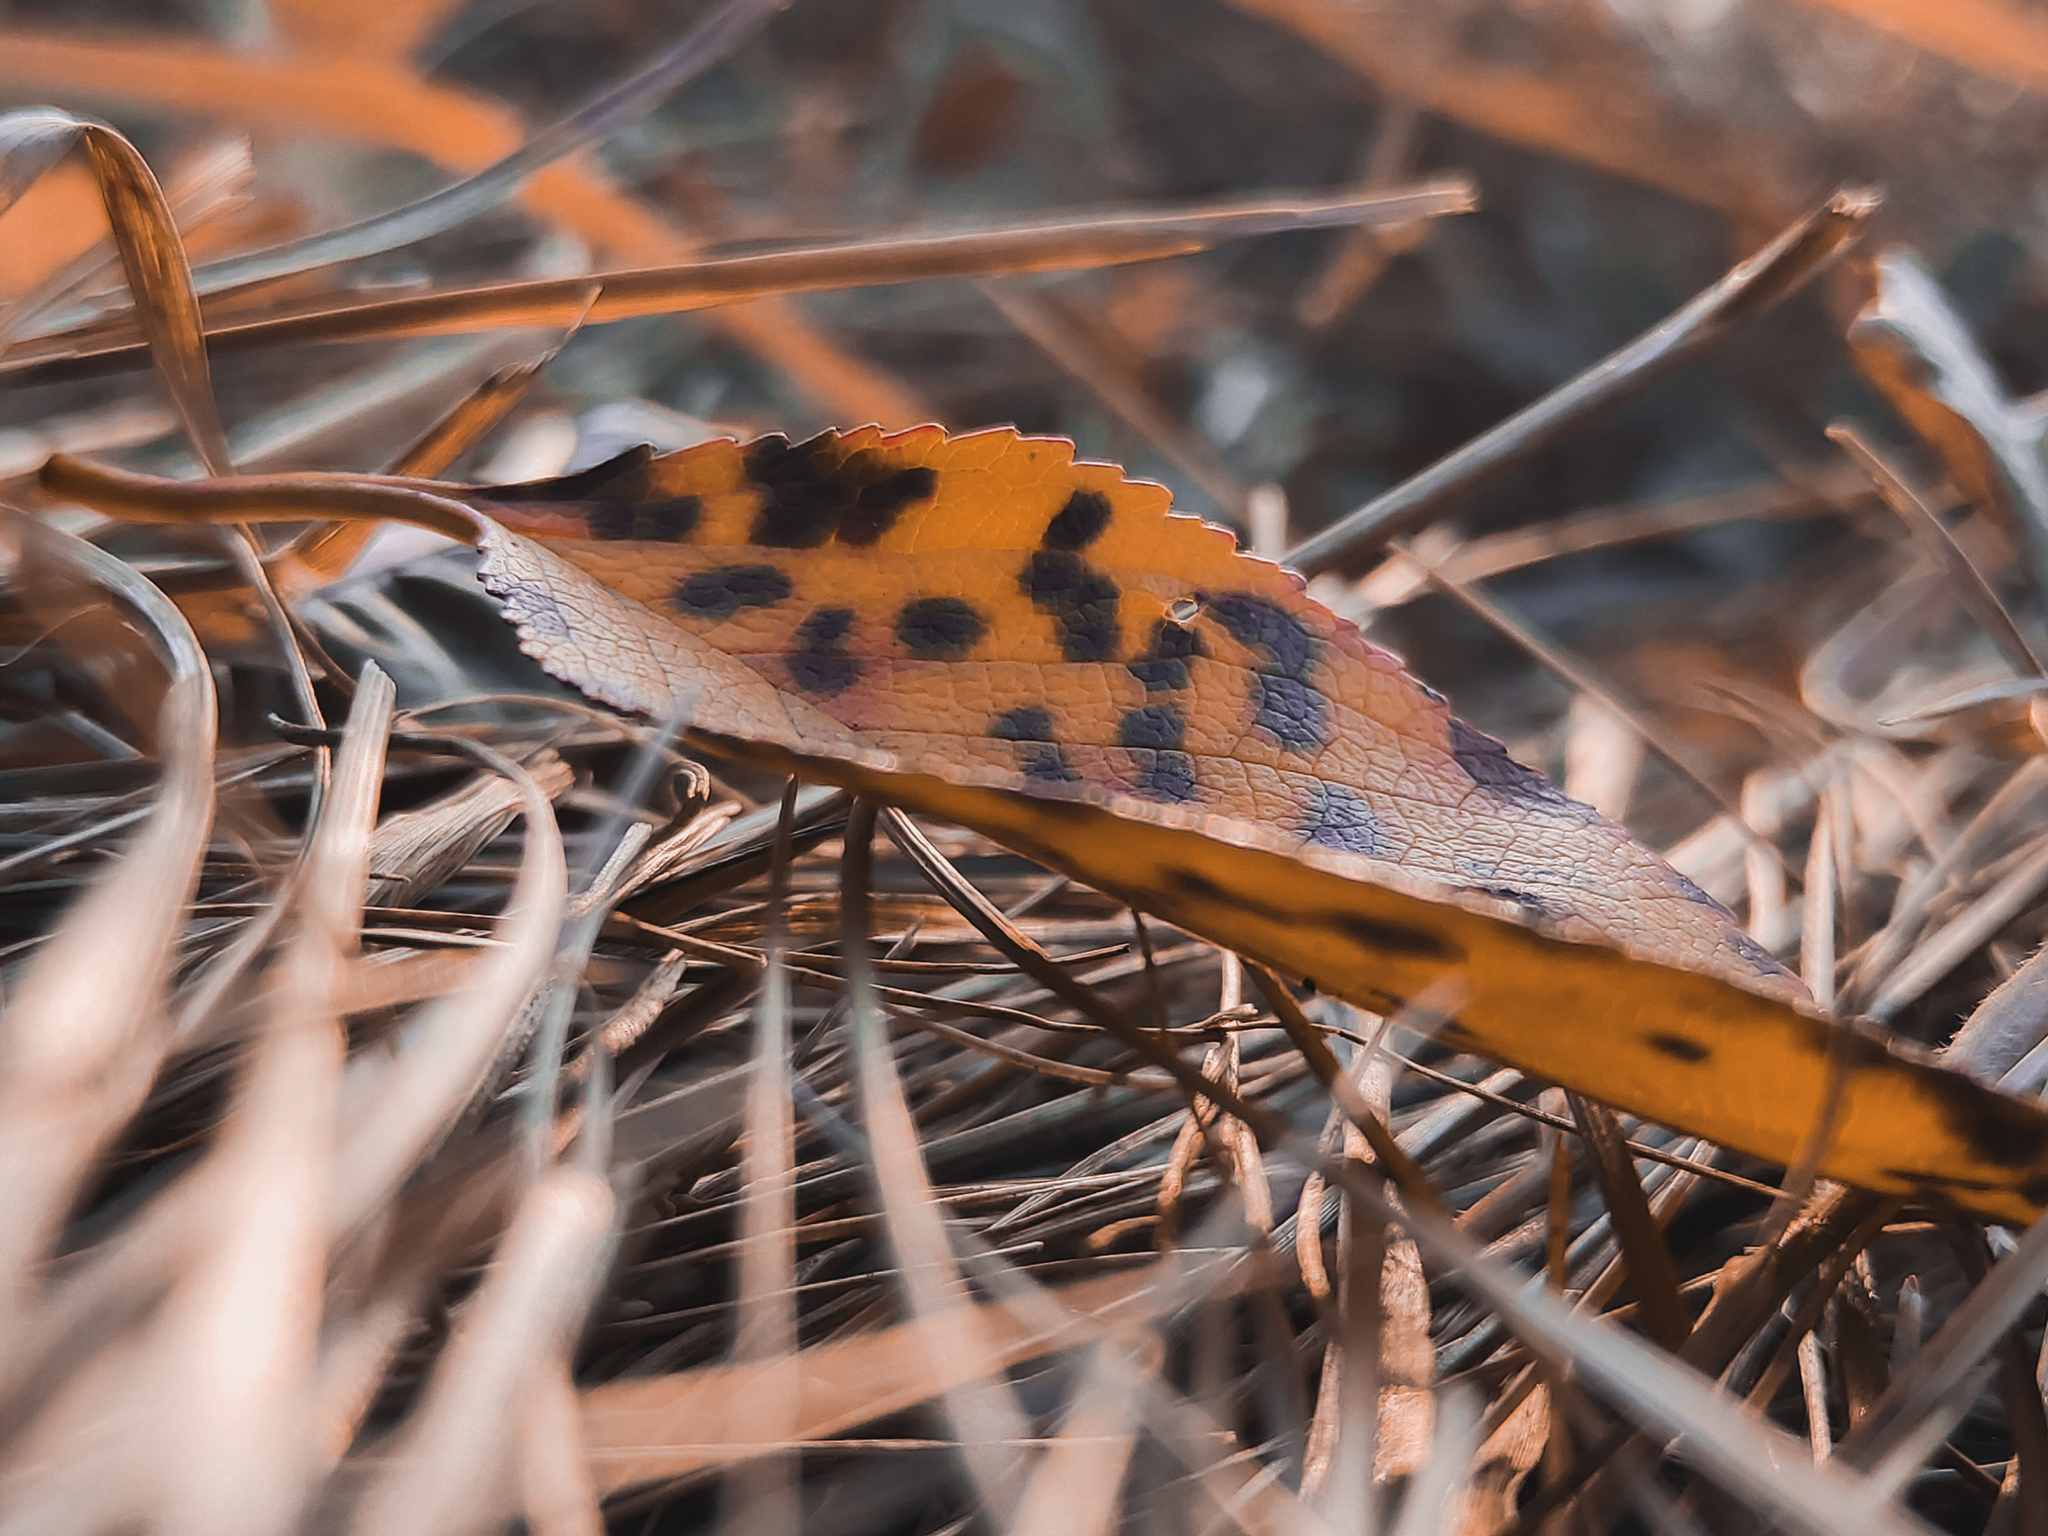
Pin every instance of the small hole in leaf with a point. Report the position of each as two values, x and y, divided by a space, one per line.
1183 611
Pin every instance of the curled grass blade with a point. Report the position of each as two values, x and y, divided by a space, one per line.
82 1032
242 1327
449 1046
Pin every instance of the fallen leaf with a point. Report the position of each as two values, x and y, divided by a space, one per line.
982 629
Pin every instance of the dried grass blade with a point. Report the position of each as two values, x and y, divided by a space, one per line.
1930 1393
1433 1490
1830 490
1836 1226
449 1046
239 1336
1249 1494
152 256
32 141
464 427
1322 1061
160 281
254 498
1651 1273
1348 1405
1245 1489
1491 611
1977 844
1076 346
761 1495
1932 534
1917 348
1813 1388
447 1471
986 1418
1074 1488
1946 948
1051 246
2001 1041
415 850
205 188
357 1358
1821 898
556 1493
1762 1465
82 1034
1030 957
2026 1413
670 1426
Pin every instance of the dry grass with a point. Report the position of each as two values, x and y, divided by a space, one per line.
429 1103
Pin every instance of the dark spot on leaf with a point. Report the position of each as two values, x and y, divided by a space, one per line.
800 508
721 593
879 504
1678 1047
1081 599
1049 765
1079 523
1072 812
809 497
1487 763
1999 1129
1028 722
1337 818
820 664
622 477
1156 726
1287 703
1261 625
1938 1184
1292 711
1032 724
1165 661
668 521
1170 776
1192 882
824 676
1390 937
939 628
1154 736
825 629
1164 775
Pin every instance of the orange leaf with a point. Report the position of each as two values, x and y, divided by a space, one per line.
982 629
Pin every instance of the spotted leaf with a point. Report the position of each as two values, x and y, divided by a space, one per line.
981 628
